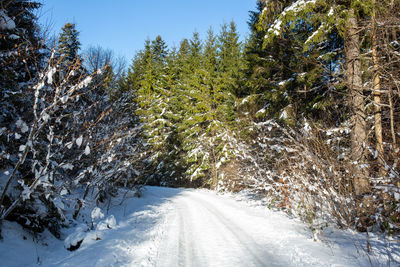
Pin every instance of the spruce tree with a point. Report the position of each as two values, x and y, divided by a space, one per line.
294 82
324 18
135 73
68 44
159 49
256 64
183 58
230 58
20 43
344 19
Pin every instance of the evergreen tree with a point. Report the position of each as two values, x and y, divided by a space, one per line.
159 48
160 52
294 82
135 73
195 50
230 63
326 21
255 55
210 53
151 77
183 58
20 43
68 44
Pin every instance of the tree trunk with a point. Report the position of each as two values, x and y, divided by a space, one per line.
392 122
377 96
354 83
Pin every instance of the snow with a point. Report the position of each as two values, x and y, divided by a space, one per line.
58 203
38 87
69 145
97 214
22 126
307 128
78 235
45 117
283 115
331 12
295 7
244 101
13 37
85 82
26 193
64 99
187 227
108 223
320 29
79 141
87 150
6 23
261 111
67 166
63 192
282 83
50 75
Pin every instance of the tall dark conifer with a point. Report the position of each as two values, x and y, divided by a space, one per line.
68 44
20 43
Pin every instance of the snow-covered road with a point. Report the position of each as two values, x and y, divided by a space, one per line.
185 227
201 228
204 230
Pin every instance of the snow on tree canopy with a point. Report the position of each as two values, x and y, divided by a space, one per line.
79 141
296 7
87 150
22 125
6 23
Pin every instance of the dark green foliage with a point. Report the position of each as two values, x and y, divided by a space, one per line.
159 49
68 44
294 82
19 46
187 101
20 61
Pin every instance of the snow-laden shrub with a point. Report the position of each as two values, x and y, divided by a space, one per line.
308 172
35 157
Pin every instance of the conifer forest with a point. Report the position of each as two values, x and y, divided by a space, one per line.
302 114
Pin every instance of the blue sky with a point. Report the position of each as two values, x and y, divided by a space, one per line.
124 25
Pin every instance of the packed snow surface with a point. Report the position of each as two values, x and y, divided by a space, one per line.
183 227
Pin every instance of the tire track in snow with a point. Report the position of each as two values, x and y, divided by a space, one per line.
256 254
177 248
186 249
198 234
